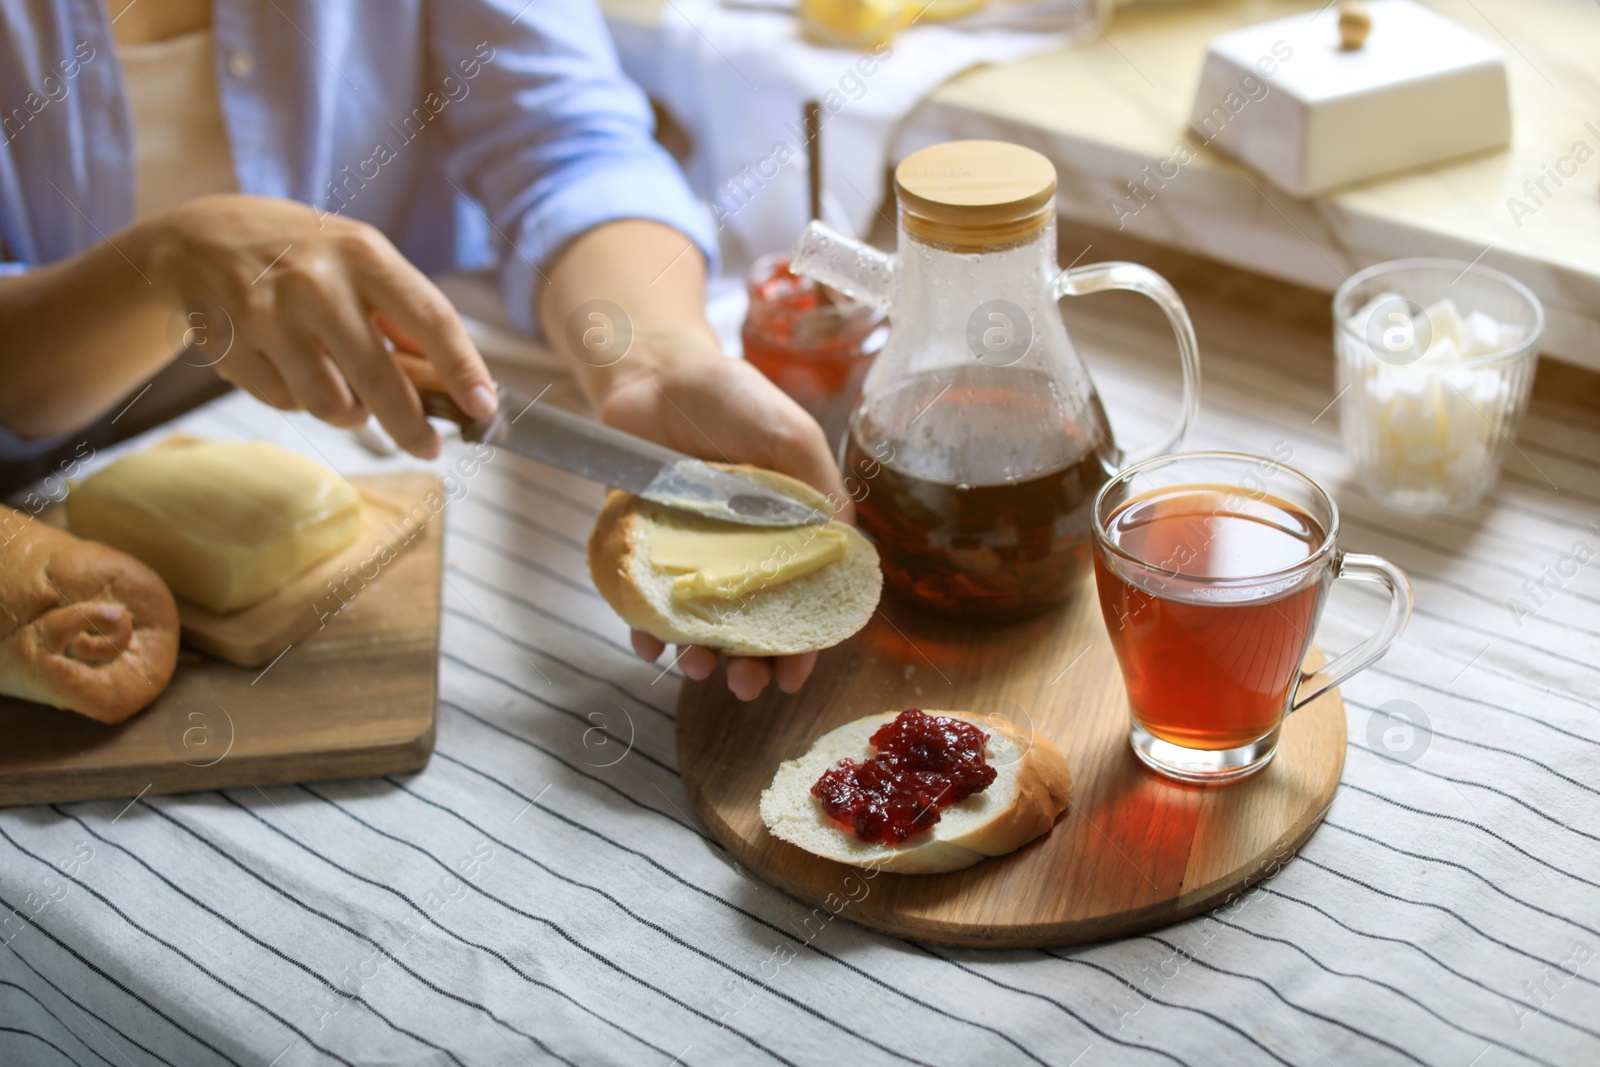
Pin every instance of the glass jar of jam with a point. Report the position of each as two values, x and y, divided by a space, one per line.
815 344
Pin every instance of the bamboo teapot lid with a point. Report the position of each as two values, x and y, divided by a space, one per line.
971 195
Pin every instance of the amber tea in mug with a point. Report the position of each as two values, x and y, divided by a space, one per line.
1210 672
1212 571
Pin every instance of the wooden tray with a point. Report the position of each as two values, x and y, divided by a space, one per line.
357 697
1133 852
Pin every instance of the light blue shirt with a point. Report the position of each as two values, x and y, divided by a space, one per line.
471 132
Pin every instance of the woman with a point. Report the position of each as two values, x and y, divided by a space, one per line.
288 173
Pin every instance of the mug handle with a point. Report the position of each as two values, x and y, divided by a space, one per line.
1359 567
1099 277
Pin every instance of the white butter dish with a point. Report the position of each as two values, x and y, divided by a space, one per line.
1286 99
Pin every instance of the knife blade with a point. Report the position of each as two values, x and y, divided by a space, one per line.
546 433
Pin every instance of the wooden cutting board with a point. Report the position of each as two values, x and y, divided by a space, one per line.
1133 852
357 697
253 636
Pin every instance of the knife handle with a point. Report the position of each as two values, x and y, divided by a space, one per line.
438 404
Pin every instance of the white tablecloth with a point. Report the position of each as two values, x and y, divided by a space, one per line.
536 895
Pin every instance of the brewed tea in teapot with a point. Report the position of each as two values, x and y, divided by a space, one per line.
978 442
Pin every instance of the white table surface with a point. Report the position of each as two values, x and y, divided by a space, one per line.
596 924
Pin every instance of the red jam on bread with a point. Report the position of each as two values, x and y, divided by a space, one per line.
924 764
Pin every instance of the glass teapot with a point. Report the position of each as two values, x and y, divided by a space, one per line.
978 443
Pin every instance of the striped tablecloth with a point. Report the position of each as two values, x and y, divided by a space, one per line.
540 893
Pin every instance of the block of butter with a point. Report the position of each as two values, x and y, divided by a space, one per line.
225 523
1288 99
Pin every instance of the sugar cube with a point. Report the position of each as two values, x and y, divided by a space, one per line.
1444 321
1442 350
1481 335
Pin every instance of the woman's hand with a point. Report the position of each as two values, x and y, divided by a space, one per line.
697 401
311 306
673 385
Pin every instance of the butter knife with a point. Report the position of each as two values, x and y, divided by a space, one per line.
546 433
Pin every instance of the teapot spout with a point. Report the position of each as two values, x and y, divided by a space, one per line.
855 269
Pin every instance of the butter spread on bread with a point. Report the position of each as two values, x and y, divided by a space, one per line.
225 523
82 626
750 591
726 561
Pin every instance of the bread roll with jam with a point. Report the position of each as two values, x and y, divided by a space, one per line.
82 626
1028 789
747 590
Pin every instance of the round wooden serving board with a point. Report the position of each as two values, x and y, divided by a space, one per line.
1132 852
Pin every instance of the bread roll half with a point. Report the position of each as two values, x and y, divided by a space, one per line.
809 612
1032 787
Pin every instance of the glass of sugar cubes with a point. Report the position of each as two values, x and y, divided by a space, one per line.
1435 361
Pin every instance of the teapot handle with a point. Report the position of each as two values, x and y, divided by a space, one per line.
1099 277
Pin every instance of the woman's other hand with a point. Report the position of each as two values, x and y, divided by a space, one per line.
671 383
697 401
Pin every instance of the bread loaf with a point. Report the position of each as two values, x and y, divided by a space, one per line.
82 626
1031 789
815 587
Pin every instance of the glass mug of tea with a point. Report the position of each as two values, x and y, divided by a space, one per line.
1213 569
